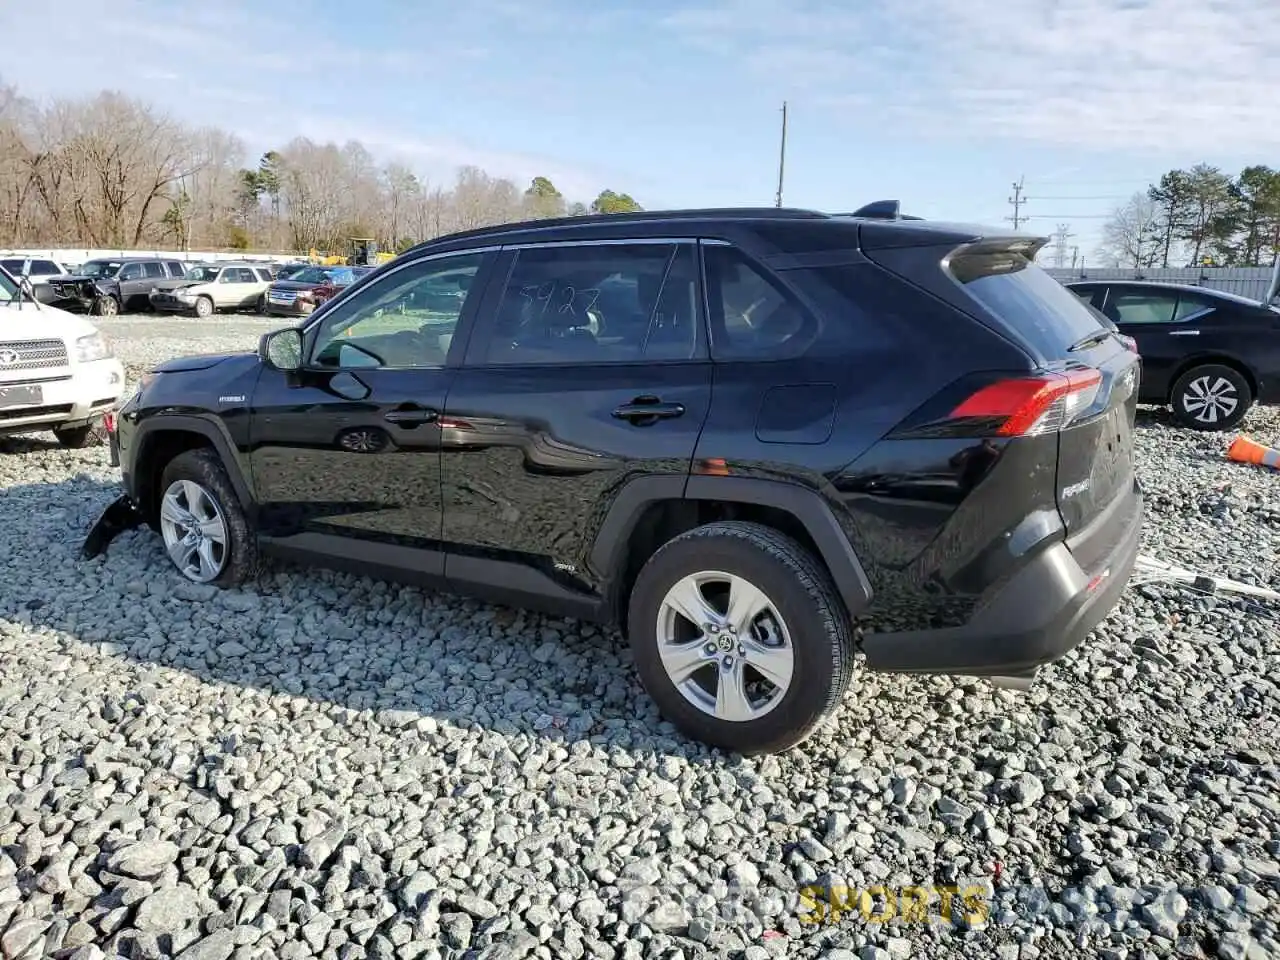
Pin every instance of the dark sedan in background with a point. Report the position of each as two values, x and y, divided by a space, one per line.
299 295
1207 354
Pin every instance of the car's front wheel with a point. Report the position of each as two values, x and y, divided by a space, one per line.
1211 397
205 531
739 636
204 308
76 438
107 306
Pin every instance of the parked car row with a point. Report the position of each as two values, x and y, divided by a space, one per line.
113 285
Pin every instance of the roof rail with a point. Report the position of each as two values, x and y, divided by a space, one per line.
882 210
735 213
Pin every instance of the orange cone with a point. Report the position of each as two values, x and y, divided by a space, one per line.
1244 450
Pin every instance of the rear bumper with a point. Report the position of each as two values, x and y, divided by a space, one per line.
1042 612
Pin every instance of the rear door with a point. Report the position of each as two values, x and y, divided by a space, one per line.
588 367
1167 327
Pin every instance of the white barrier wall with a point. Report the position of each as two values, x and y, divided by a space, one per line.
81 255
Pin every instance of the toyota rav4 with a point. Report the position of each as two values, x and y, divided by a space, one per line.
758 441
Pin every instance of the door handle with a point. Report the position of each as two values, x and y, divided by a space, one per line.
1184 333
411 415
643 410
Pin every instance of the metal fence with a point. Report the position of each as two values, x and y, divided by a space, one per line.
1248 282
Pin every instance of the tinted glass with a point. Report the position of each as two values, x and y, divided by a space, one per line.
751 316
1190 305
406 319
1047 316
131 271
176 269
154 270
605 303
1140 307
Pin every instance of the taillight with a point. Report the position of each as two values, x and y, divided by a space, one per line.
109 421
1029 406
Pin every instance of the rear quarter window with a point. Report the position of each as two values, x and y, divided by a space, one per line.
1036 308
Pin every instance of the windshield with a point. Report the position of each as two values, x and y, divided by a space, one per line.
312 275
101 268
201 274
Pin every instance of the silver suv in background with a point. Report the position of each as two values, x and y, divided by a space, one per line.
208 288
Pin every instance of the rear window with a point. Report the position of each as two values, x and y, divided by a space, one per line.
1044 313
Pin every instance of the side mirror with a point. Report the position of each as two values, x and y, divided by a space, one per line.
282 349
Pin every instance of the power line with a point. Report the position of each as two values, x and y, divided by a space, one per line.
1017 200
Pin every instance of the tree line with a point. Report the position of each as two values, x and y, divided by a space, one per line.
1200 216
112 171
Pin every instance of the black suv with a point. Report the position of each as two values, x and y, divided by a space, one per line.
757 440
111 284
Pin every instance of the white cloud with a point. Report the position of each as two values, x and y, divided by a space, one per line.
269 75
1188 76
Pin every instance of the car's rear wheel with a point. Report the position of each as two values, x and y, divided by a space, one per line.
107 306
204 529
739 636
204 308
1212 396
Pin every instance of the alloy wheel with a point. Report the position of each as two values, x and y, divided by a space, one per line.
1210 398
724 646
194 531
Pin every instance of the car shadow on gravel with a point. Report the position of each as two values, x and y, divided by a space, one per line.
409 658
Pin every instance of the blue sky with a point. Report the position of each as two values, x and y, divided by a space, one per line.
939 103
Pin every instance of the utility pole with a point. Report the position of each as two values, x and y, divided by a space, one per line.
782 155
1075 255
1060 238
1017 200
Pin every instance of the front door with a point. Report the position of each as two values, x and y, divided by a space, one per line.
588 367
133 284
346 453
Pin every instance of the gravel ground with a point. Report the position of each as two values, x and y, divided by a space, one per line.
330 766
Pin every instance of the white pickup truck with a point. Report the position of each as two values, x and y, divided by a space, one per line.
56 370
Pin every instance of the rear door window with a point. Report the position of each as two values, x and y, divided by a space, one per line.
154 270
1046 315
1140 306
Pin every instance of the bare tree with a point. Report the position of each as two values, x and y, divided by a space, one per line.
110 171
1133 237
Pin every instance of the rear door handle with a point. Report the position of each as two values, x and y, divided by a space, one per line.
412 415
647 410
1184 333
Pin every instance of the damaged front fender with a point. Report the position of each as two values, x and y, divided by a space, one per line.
120 516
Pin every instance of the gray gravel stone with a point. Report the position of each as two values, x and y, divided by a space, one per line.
318 763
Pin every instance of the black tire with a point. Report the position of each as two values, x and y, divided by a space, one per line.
261 306
1225 382
204 308
203 466
807 602
77 438
107 306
